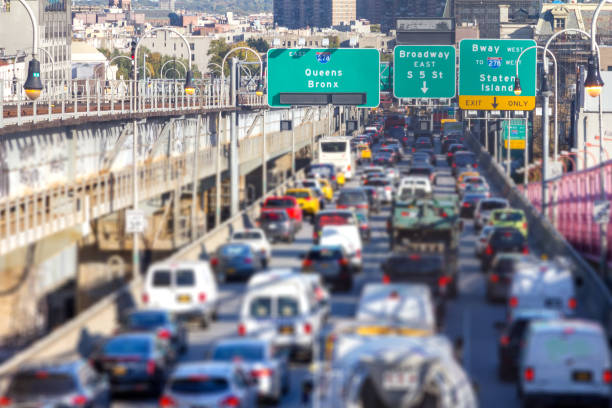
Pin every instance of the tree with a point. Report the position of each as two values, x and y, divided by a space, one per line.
334 41
388 56
218 50
375 28
258 44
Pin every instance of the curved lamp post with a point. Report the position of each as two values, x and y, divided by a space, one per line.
189 87
161 71
260 84
33 85
175 70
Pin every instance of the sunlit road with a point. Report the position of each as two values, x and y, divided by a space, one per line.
469 316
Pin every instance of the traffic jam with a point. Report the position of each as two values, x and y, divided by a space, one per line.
392 276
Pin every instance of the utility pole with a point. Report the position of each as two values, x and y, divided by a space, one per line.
234 168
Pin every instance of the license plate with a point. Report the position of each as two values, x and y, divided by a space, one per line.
285 329
184 298
231 270
582 376
272 226
119 370
399 380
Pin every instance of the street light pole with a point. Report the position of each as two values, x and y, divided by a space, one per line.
546 93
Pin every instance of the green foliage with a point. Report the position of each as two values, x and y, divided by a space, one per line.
258 44
155 61
386 56
334 41
219 48
375 28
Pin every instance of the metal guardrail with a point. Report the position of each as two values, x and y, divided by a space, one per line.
73 99
594 298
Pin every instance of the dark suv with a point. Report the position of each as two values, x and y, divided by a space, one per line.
503 239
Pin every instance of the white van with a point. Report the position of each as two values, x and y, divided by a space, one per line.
349 238
417 181
185 288
336 150
282 306
408 305
543 285
565 361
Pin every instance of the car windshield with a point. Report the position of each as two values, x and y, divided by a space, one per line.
279 203
464 159
352 197
247 235
492 205
41 384
130 346
147 320
298 194
233 352
199 384
324 254
333 147
507 216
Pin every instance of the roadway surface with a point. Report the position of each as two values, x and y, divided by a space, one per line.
468 316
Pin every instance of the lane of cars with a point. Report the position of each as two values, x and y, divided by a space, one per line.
367 287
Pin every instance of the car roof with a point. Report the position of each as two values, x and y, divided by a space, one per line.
275 275
58 365
335 212
535 314
495 199
219 368
298 189
175 264
134 336
320 247
248 230
557 325
241 341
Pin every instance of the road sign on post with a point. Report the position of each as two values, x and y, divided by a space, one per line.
487 70
385 76
518 133
135 222
340 76
424 71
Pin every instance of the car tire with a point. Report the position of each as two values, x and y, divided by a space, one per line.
285 388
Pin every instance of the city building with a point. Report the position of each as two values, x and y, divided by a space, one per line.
122 4
488 14
167 43
54 32
386 12
314 13
167 4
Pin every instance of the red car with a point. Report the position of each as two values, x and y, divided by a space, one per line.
289 204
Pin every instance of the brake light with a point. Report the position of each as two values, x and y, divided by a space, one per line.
443 281
307 328
529 374
513 302
607 376
5 401
444 215
248 260
494 278
475 165
262 372
214 261
358 253
164 334
341 206
388 188
333 178
572 303
79 400
315 235
454 165
525 225
348 167
242 329
202 297
405 213
343 262
231 401
166 401
525 250
449 154
504 340
150 367
489 250
467 204
385 279
307 263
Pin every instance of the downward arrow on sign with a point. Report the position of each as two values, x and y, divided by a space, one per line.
495 104
424 88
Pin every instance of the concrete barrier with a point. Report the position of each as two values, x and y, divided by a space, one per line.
100 320
594 298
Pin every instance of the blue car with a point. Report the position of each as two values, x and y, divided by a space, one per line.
236 261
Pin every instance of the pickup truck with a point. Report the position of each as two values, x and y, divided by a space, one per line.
423 220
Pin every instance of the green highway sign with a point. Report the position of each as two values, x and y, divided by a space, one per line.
385 76
517 130
424 71
487 70
339 76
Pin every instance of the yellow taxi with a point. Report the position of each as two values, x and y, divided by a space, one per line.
460 184
364 152
340 179
306 198
327 189
509 217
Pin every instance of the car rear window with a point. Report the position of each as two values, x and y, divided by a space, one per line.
508 216
352 197
162 278
507 238
335 219
287 306
185 277
414 264
464 159
309 183
234 250
128 345
333 147
147 319
505 265
199 385
298 194
379 182
278 203
247 235
492 205
41 383
556 348
261 307
325 254
420 170
232 352
273 216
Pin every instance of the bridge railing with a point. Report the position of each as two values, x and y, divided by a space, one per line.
60 100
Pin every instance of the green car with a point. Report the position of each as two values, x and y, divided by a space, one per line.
509 217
